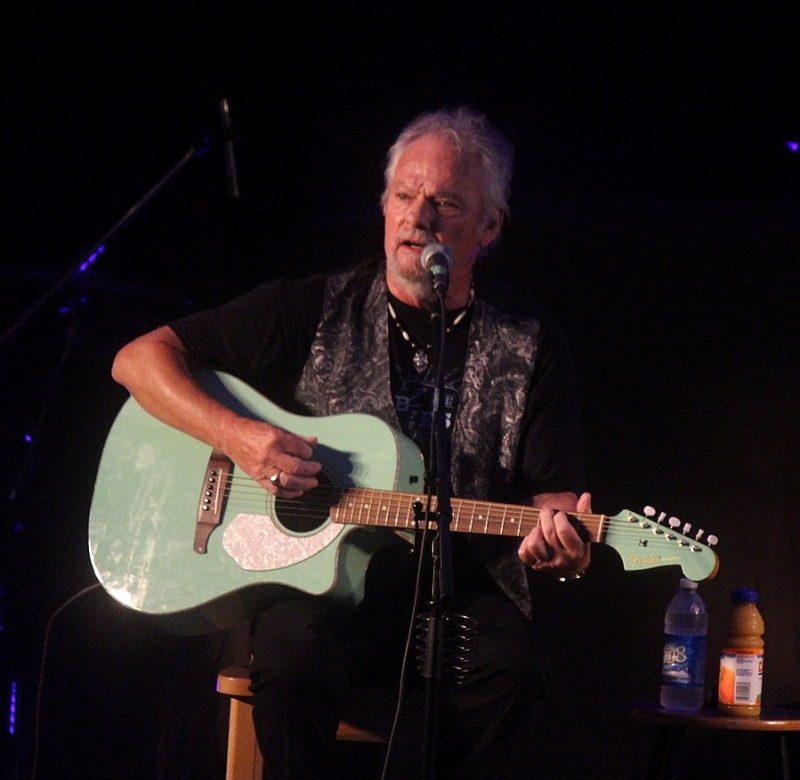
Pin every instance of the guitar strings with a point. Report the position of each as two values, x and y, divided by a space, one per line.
396 513
247 485
398 506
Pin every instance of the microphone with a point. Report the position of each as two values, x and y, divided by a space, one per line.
227 141
437 260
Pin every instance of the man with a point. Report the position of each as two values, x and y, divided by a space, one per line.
362 340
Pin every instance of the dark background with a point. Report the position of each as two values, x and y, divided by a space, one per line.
655 210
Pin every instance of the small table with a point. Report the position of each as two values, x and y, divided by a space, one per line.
776 720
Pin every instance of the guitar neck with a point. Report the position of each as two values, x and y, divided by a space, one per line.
388 509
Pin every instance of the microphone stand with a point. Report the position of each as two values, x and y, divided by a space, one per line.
198 149
442 565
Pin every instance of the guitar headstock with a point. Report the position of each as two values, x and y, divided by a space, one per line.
654 539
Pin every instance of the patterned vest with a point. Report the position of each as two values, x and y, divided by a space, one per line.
348 370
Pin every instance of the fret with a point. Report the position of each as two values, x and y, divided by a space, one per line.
491 520
374 509
456 521
379 515
392 517
602 527
408 512
483 518
526 520
486 513
410 515
385 508
516 521
363 507
393 507
472 516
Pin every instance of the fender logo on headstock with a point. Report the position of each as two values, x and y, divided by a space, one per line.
651 560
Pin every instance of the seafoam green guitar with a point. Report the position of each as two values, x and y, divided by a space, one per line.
177 533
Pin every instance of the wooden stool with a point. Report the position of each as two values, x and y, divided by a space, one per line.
777 721
244 758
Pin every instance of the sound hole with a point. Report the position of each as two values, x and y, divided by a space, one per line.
309 512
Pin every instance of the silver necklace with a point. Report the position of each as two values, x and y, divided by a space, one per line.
420 359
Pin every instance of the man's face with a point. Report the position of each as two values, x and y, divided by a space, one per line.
436 194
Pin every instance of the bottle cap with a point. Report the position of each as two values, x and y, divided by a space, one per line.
687 584
744 595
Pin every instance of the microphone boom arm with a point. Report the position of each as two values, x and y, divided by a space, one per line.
197 149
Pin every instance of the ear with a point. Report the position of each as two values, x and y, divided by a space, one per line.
492 227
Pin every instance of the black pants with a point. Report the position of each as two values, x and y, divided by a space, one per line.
308 654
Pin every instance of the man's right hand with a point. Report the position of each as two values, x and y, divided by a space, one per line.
278 460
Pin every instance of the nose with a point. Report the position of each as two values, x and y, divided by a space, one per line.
420 213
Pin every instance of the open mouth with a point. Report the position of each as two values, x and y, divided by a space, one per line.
414 245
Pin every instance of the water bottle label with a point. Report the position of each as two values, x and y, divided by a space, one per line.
684 660
741 673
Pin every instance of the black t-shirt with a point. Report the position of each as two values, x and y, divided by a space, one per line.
264 338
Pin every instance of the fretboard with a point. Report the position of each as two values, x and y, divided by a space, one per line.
388 509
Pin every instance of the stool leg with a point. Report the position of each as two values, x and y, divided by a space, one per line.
784 748
244 757
774 755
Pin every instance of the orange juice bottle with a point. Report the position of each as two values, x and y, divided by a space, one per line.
741 665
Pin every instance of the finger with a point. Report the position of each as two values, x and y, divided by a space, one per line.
534 549
298 474
301 447
294 483
585 503
566 533
285 485
549 527
298 471
527 552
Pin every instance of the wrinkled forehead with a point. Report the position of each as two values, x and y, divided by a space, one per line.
437 160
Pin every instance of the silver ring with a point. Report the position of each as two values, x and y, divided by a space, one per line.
275 479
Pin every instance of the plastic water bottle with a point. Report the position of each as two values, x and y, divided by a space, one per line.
741 664
683 669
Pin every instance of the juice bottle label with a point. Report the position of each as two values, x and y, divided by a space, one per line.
684 660
741 672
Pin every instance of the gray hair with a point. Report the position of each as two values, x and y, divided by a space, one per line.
471 132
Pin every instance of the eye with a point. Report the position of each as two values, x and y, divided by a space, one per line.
447 207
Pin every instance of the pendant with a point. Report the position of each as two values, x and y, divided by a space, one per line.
420 361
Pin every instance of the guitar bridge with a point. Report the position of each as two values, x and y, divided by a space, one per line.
212 499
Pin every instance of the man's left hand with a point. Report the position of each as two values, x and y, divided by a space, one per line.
555 547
